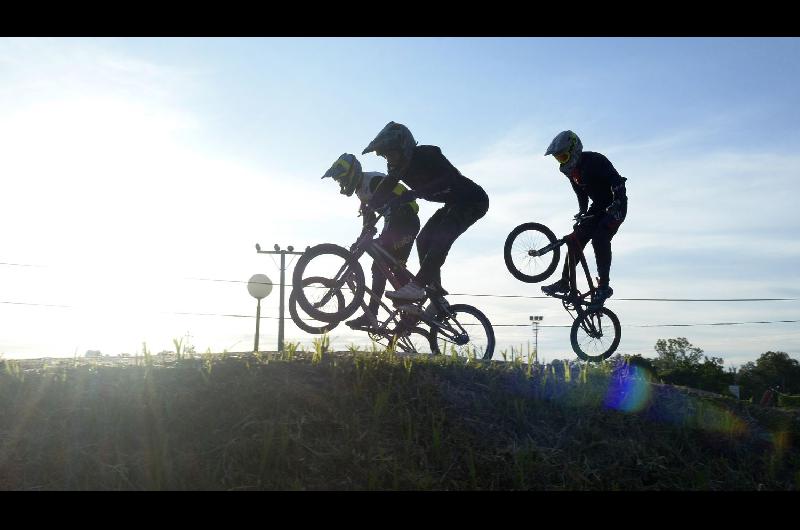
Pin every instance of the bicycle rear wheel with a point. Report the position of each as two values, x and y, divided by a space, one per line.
320 284
346 277
465 332
520 242
596 335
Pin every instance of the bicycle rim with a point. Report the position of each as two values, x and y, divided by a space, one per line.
417 340
315 286
516 252
595 336
465 333
328 261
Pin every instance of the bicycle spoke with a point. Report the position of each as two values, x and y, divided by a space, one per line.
463 336
521 242
343 280
524 243
595 336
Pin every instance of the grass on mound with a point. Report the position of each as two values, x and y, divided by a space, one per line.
378 421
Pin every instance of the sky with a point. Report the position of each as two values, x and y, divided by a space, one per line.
139 173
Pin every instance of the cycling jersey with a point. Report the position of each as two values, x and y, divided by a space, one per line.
370 183
433 178
593 178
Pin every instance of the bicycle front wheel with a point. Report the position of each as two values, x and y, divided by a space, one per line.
345 275
317 286
464 332
415 340
596 335
525 240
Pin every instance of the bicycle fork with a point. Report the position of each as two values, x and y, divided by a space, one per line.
438 315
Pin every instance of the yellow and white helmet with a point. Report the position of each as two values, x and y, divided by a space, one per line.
347 172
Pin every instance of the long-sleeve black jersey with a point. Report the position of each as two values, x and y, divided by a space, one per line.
433 178
594 178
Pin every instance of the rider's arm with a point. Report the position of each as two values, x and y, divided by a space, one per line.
583 197
367 215
384 192
442 181
618 192
619 196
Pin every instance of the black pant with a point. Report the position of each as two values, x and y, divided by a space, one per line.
439 233
600 230
397 238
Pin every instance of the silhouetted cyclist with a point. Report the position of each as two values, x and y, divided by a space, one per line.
400 227
432 177
592 177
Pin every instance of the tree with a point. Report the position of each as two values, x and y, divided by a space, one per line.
674 353
771 369
681 363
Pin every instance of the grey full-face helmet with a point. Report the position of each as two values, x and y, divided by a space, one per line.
393 137
567 148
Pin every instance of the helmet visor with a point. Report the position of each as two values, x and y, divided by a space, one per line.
562 157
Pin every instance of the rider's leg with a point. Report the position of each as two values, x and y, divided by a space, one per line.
397 238
571 261
378 285
454 220
434 242
601 242
426 240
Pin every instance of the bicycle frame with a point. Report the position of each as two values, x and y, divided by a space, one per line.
596 330
365 243
410 314
574 300
398 275
437 314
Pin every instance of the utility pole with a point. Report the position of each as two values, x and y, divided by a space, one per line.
535 320
289 250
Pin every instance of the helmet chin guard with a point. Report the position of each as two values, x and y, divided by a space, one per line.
566 142
347 172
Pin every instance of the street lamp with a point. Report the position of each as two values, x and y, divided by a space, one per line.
535 320
289 250
259 287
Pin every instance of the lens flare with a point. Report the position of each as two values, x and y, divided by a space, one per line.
629 392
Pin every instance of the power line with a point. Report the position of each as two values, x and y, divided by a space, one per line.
660 325
641 299
489 295
545 296
21 264
35 304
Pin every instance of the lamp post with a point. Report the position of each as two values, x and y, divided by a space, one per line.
289 250
259 287
535 320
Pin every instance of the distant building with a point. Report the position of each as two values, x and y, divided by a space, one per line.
93 353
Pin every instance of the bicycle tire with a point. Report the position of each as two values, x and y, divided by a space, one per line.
606 351
300 323
406 344
355 282
523 238
461 309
